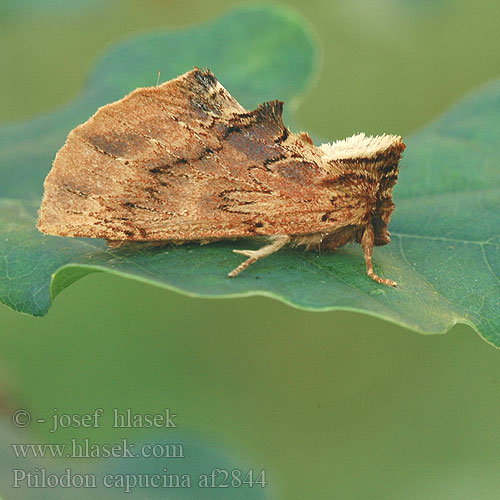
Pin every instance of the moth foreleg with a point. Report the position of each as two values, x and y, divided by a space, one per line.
254 255
367 243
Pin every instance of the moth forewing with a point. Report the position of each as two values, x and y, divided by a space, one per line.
184 161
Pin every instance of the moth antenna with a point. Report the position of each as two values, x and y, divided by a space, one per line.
158 81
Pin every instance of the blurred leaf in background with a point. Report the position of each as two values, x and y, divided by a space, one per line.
192 468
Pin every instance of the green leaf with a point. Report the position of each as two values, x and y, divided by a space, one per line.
445 253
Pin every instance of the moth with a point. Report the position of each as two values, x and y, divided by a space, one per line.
185 162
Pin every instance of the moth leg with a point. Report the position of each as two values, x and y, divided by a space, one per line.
367 243
254 255
115 243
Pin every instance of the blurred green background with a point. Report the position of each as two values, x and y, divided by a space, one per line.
332 405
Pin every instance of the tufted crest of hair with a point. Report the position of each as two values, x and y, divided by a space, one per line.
380 153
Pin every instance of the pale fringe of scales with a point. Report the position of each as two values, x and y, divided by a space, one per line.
359 146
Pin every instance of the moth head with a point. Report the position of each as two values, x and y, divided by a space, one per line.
380 220
386 168
366 167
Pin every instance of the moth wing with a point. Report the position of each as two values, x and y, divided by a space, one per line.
182 161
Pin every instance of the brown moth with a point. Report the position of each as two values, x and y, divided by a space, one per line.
184 161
